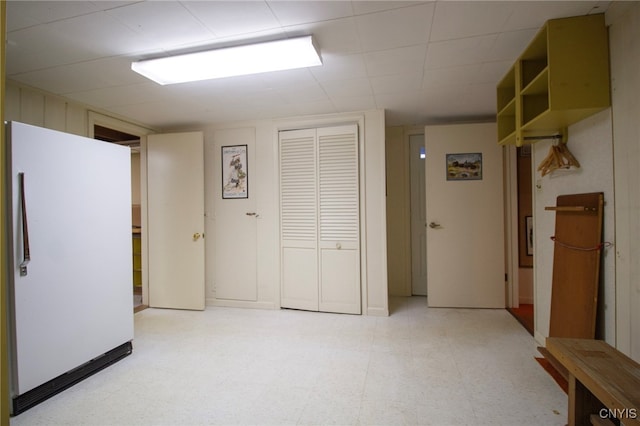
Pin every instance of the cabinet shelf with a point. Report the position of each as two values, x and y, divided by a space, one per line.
538 85
561 78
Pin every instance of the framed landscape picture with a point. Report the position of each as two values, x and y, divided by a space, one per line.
464 166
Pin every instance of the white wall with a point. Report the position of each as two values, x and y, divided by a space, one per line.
591 143
624 37
33 107
263 192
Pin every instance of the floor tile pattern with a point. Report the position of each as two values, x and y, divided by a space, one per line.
419 366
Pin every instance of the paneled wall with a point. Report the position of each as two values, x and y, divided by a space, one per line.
43 110
590 142
624 37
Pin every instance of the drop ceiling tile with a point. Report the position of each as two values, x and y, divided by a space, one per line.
460 19
493 72
338 67
396 83
164 24
40 47
365 7
231 18
338 36
300 12
303 93
358 103
21 14
347 88
434 77
395 28
529 14
510 45
322 106
406 60
122 95
97 33
463 51
83 76
287 78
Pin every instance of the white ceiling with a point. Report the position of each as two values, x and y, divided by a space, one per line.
423 62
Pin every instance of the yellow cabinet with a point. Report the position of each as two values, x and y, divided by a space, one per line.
561 78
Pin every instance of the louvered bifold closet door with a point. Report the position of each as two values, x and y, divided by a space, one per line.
339 218
298 220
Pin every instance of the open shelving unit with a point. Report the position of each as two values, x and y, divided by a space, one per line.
561 78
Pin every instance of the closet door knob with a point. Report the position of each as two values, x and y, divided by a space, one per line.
338 246
196 236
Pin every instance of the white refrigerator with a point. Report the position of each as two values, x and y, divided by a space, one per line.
70 275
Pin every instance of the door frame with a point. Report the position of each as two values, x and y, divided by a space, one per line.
94 119
511 227
412 240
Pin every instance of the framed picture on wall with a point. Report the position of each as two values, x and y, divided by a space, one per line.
529 234
235 173
464 166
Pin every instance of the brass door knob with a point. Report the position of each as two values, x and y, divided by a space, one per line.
196 236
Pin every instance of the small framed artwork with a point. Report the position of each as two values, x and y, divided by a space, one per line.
235 173
529 231
464 166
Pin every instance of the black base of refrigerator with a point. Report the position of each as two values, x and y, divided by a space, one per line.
54 386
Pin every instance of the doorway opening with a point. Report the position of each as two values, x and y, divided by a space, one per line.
133 142
523 311
418 216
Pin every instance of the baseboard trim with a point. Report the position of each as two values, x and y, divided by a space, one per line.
224 303
378 312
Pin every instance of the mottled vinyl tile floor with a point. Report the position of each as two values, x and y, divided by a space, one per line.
419 366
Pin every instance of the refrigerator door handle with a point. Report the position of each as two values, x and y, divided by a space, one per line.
25 229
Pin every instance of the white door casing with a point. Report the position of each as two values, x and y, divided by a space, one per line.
418 217
175 170
319 204
465 236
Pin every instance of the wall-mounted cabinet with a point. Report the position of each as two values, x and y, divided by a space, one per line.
561 78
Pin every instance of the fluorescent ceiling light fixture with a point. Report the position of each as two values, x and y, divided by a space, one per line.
278 55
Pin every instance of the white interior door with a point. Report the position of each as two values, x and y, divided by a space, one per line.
418 216
320 219
339 219
175 196
465 233
298 220
235 218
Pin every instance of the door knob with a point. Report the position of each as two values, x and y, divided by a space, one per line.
196 236
434 225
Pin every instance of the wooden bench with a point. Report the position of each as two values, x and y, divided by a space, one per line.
603 382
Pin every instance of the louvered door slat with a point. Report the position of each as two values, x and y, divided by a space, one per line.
298 187
338 187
